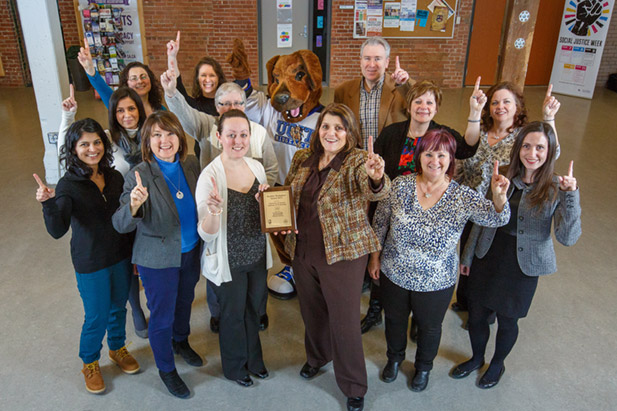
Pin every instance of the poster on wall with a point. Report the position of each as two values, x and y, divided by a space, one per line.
283 35
584 25
113 32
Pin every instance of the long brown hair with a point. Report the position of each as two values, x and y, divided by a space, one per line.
520 118
218 70
543 189
352 139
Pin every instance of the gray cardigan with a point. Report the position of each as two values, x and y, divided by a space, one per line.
534 245
158 240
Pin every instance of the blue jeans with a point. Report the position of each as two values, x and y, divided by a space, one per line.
170 293
103 294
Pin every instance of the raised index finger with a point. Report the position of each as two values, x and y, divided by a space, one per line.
370 145
496 168
214 186
549 90
38 181
477 86
71 91
397 64
571 169
178 37
138 179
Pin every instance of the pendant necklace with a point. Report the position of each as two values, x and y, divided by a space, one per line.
179 194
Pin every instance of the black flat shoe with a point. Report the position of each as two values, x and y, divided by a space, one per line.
174 384
485 383
187 353
245 381
419 380
390 371
355 403
214 325
458 307
263 322
263 374
462 370
372 317
308 372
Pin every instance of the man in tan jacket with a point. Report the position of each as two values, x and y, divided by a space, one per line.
376 99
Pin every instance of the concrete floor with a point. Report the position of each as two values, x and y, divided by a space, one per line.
564 359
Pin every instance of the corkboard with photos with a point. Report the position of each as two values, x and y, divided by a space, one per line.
405 18
113 29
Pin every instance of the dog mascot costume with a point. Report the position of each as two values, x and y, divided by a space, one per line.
289 115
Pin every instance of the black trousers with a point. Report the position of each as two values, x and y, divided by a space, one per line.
461 289
479 332
429 310
240 301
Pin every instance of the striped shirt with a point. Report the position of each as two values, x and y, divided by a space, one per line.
370 102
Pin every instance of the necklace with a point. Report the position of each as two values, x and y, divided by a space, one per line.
426 192
179 194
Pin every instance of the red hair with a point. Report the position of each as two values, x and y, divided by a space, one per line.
434 140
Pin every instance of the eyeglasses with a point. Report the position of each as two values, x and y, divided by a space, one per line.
135 78
230 104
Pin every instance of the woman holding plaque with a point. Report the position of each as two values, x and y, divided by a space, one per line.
236 254
332 182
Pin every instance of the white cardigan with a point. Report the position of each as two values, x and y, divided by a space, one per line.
214 261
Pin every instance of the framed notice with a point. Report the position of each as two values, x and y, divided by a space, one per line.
114 31
276 209
584 25
404 18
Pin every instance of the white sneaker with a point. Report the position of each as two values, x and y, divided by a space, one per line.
282 285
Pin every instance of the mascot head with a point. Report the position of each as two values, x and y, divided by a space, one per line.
294 84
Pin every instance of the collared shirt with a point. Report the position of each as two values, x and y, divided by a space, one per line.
370 102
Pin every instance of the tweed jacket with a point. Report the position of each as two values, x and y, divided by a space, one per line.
393 107
158 240
534 245
342 206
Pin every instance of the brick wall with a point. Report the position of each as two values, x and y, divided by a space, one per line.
9 48
440 60
609 56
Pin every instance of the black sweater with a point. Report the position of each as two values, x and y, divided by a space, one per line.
80 205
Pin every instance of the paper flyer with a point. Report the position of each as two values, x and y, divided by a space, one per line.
441 3
374 25
375 7
360 15
582 37
284 13
392 12
408 15
284 37
422 17
320 22
439 19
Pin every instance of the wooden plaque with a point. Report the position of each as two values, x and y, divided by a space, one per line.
276 209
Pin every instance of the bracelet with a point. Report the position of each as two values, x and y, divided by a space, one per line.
549 119
473 121
214 214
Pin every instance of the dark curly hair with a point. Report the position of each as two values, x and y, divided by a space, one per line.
68 154
520 118
155 95
196 91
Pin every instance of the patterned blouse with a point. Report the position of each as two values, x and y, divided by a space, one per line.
419 246
476 171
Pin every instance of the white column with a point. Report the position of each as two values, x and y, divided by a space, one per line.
40 23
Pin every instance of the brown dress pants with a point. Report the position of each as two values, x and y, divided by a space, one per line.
329 303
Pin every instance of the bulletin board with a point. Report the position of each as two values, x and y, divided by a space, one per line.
114 30
405 18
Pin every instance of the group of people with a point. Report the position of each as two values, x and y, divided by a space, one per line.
159 214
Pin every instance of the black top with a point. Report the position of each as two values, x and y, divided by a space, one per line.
201 103
392 139
246 244
80 205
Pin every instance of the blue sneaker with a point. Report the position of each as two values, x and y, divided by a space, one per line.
282 285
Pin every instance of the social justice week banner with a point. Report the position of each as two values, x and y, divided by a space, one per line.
582 35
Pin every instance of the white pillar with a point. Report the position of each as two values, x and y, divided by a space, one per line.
40 23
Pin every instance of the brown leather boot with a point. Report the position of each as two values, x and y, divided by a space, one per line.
123 359
93 377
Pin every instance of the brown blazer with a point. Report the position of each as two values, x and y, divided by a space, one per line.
393 100
341 206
